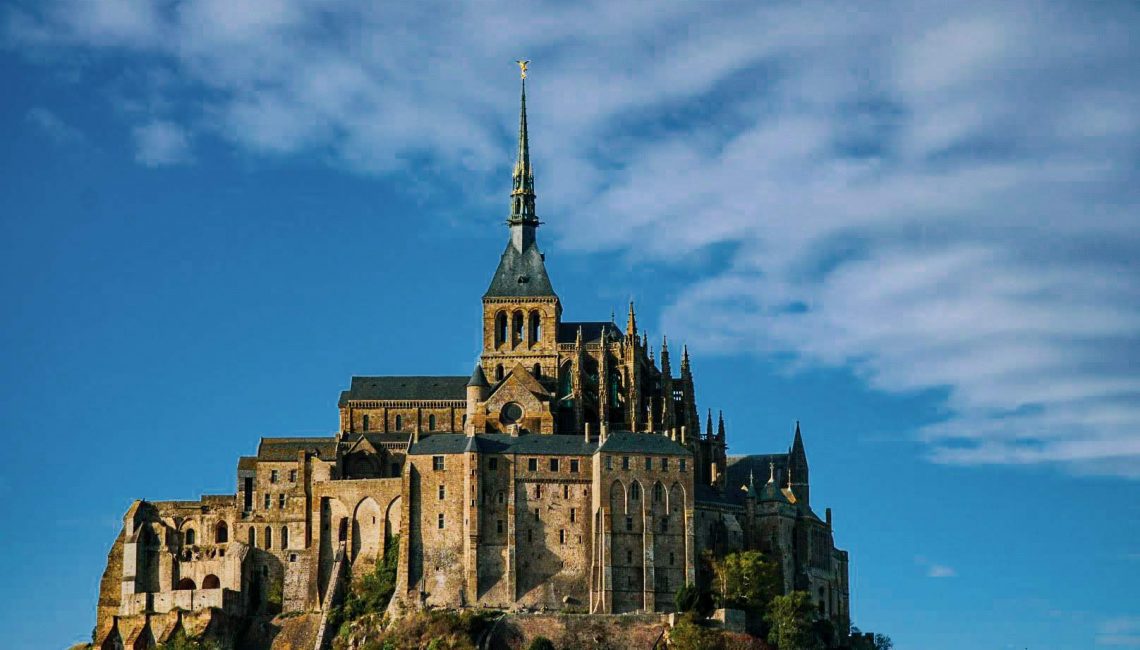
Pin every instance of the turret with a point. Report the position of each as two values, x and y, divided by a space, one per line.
477 388
668 411
798 468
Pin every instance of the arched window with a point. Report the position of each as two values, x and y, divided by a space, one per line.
253 537
535 330
517 328
191 538
211 582
185 584
500 328
221 533
499 372
635 490
537 371
364 422
268 538
431 423
399 422
658 492
284 537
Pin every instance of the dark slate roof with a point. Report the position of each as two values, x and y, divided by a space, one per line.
247 462
380 438
406 388
520 275
644 443
499 443
286 449
591 331
707 494
478 377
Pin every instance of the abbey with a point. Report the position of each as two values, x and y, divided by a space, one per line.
569 471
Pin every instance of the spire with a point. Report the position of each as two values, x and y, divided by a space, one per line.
798 443
772 472
522 219
631 322
720 426
685 359
665 367
708 425
522 269
667 406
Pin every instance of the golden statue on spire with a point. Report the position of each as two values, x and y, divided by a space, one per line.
522 66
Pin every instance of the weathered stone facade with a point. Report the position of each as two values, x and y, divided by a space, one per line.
568 472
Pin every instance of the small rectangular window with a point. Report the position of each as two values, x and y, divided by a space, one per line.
281 501
572 515
648 462
268 502
609 462
565 491
629 523
437 463
554 464
573 465
625 462
493 463
442 492
292 476
664 464
562 536
499 526
671 558
681 462
529 535
440 521
272 476
536 514
532 464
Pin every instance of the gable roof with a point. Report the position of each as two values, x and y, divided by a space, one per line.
286 449
591 331
520 274
400 388
536 444
644 443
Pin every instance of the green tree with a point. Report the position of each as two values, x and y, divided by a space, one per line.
748 580
687 634
541 643
883 642
687 598
791 621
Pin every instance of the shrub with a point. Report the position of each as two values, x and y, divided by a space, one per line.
541 643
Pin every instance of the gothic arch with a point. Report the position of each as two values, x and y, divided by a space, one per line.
659 499
618 504
221 533
368 525
677 499
211 582
500 328
393 517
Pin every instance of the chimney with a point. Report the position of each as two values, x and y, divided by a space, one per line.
827 514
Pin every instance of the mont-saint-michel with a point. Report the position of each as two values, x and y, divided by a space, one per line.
571 472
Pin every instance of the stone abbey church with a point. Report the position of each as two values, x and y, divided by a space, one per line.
568 471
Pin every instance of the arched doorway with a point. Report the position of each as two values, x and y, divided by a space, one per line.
211 582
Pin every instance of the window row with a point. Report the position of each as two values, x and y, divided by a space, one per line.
221 534
662 464
274 476
511 328
366 422
267 538
554 465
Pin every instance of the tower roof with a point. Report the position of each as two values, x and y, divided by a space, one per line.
522 268
478 378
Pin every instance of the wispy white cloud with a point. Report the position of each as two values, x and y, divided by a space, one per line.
53 127
1123 631
159 143
939 197
934 569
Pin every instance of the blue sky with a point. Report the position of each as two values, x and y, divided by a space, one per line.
912 227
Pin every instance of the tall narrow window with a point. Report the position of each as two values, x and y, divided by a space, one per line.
431 423
253 537
625 462
517 328
562 536
629 523
572 515
573 465
537 371
281 501
284 537
554 464
629 557
565 491
268 502
268 537
221 533
248 483
399 423
364 422
648 462
190 539
499 372
499 526
292 476
532 464
272 476
342 530
500 328
442 492
635 491
535 329
440 521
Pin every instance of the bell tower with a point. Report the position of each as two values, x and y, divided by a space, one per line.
521 312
